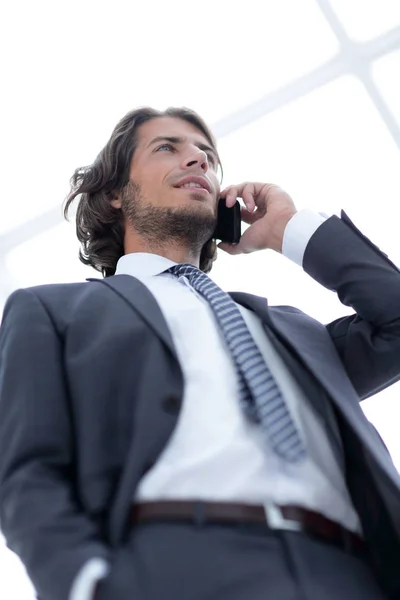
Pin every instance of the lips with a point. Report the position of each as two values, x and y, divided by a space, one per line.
200 181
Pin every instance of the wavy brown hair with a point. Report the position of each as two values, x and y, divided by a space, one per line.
99 226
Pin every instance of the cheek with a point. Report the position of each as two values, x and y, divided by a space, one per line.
148 183
216 183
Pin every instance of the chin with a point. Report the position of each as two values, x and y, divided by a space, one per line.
198 197
196 203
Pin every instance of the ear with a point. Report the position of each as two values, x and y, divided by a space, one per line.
116 201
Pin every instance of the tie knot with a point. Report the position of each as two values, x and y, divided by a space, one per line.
185 269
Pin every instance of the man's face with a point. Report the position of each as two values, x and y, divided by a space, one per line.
169 152
174 183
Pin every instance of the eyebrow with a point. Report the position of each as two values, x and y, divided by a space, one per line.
181 140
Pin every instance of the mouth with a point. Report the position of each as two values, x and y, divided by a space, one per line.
200 184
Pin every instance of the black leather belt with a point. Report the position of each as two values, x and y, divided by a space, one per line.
292 518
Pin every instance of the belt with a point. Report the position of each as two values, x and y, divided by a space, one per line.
289 518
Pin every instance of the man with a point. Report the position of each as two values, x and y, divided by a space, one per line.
160 438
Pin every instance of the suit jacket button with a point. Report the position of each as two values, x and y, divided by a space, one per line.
172 404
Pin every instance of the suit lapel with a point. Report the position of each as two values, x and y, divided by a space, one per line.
311 344
142 301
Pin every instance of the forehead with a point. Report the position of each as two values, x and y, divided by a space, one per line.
169 127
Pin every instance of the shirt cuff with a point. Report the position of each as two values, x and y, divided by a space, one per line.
84 585
298 233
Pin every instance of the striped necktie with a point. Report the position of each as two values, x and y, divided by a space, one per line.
260 396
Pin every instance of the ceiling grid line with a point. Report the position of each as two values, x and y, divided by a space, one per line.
354 58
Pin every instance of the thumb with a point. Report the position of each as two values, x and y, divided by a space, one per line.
230 248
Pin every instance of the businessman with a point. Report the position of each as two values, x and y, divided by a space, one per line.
161 438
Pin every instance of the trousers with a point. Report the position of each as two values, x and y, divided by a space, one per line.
180 561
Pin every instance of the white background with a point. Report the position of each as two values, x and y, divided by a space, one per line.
303 93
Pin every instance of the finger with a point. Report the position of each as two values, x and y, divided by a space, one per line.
246 191
231 196
224 192
248 195
234 189
250 217
232 193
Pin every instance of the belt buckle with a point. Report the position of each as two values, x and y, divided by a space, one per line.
276 520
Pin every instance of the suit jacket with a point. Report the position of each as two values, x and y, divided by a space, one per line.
91 389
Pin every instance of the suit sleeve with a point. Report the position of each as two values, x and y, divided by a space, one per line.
40 514
342 259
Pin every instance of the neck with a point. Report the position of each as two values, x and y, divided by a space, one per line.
171 250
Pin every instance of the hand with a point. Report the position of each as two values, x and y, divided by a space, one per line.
268 210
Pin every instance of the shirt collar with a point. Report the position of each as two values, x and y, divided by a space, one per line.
143 265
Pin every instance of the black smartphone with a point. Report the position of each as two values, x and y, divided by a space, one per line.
229 223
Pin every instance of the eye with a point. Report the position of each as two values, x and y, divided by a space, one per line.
168 146
211 159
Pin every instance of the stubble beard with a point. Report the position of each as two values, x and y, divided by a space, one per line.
160 225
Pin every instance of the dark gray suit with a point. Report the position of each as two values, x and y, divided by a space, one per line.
91 389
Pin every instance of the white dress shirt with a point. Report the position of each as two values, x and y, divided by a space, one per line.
215 453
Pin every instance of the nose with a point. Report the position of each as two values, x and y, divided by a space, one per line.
197 158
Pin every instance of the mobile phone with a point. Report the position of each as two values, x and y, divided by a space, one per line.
229 223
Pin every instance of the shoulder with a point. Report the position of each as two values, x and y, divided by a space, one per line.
48 293
292 314
58 300
288 310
